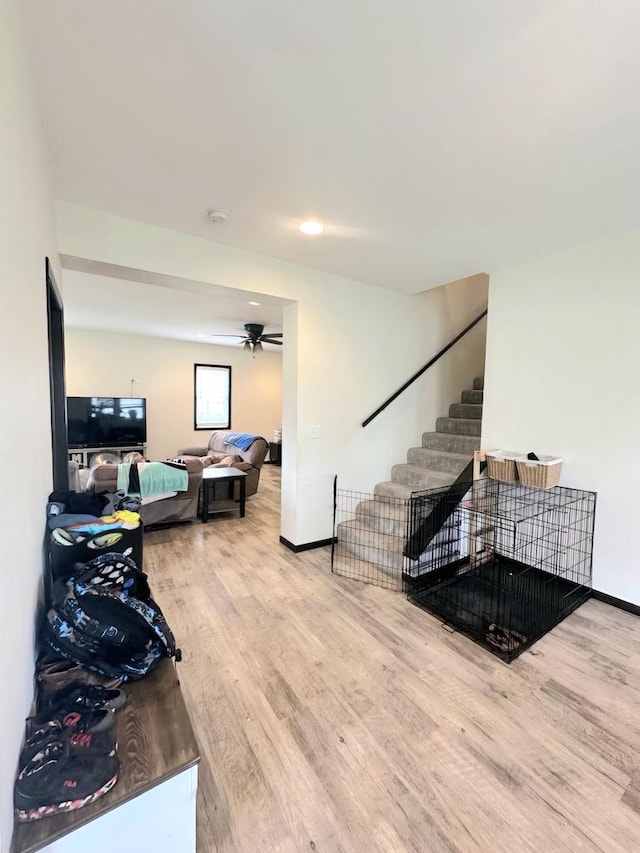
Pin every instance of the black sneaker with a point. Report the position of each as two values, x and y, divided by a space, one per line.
79 696
82 743
78 721
57 780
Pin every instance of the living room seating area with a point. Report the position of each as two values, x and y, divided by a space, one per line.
183 505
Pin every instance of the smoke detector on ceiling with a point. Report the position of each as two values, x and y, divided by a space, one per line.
218 217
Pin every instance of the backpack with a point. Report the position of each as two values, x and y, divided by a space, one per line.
105 619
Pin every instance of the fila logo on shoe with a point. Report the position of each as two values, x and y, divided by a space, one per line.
71 719
70 783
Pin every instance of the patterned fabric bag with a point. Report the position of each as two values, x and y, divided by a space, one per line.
105 619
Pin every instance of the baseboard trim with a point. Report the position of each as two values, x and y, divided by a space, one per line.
308 546
620 603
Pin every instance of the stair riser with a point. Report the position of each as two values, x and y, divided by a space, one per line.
478 383
443 549
364 546
474 397
450 443
418 478
465 410
448 463
383 524
384 516
459 426
353 552
390 492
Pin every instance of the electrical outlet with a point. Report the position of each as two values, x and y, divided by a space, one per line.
314 431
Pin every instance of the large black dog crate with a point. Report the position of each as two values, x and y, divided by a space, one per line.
501 562
521 563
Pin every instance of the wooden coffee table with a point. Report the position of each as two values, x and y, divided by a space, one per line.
210 477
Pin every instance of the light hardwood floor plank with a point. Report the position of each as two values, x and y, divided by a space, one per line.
336 716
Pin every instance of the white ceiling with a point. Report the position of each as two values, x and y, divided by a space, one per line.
166 308
437 139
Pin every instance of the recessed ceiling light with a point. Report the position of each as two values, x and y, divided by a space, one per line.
254 303
311 227
218 217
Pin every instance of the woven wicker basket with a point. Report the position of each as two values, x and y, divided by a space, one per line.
501 465
543 473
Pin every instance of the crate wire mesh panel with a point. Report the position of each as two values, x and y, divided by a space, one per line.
382 540
528 564
501 562
369 538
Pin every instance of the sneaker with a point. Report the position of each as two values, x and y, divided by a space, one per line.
82 743
78 721
57 780
53 673
80 696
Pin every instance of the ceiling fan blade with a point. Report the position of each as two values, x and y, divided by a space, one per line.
266 340
215 335
272 334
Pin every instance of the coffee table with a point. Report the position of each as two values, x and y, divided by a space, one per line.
210 477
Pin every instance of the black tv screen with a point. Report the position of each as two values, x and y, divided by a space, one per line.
106 421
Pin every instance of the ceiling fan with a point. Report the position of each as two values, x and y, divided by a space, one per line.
255 337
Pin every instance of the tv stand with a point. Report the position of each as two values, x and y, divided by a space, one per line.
84 455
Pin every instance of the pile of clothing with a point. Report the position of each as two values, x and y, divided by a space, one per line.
95 531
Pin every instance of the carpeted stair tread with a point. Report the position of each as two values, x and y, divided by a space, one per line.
438 460
385 516
472 397
459 426
420 478
380 549
478 383
465 410
393 491
450 442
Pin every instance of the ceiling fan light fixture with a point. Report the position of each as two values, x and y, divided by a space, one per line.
246 345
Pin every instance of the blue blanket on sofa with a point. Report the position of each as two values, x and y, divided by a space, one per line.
243 440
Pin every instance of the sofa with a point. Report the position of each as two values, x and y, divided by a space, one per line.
218 452
181 507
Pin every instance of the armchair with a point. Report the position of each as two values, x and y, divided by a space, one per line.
251 459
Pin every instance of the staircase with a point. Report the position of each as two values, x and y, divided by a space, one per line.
376 535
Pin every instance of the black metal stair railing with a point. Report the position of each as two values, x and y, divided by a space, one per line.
423 369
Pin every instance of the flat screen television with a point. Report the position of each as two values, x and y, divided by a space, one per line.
106 421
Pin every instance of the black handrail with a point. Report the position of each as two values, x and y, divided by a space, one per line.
424 369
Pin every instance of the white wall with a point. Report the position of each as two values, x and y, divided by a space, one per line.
103 363
563 356
26 229
353 344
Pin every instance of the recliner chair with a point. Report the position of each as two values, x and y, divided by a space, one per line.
251 462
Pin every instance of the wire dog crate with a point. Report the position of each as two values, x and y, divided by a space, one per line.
528 564
501 562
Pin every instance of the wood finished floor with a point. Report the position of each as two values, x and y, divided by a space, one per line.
336 716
